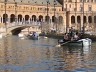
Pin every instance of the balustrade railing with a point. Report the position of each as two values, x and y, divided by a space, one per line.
23 23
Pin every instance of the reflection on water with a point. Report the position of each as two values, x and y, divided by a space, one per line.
18 55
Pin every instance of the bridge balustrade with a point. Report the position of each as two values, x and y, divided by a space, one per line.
23 23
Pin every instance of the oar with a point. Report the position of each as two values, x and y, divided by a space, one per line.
62 44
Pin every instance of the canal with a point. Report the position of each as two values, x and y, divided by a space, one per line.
24 55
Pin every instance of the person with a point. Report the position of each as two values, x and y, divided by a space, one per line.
76 37
81 36
65 37
35 34
71 31
31 34
21 34
72 38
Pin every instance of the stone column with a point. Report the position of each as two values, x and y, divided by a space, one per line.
0 19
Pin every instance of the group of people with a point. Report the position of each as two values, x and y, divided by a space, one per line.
33 34
72 36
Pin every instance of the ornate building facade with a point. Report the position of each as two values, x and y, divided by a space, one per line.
81 13
71 13
46 11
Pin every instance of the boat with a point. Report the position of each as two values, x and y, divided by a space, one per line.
33 37
81 42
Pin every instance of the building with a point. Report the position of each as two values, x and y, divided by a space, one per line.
50 13
81 13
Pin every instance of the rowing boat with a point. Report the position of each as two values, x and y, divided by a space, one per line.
33 37
81 42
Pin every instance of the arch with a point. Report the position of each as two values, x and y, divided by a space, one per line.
90 19
40 18
26 17
19 18
94 19
54 19
33 18
72 19
60 20
47 18
12 18
84 19
78 19
5 19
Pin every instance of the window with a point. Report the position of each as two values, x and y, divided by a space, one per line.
81 7
39 8
2 6
90 7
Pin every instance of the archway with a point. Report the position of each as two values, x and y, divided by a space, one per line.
84 19
54 19
19 18
90 19
40 18
5 18
12 18
47 18
33 18
78 19
72 19
26 17
60 20
94 19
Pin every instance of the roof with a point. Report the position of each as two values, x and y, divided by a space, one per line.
34 1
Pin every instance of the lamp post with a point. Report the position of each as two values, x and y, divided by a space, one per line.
83 19
5 2
47 9
54 15
15 12
66 17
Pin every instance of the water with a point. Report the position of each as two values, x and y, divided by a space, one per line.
24 55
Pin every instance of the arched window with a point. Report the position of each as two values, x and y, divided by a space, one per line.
94 19
78 19
72 19
84 19
90 19
60 20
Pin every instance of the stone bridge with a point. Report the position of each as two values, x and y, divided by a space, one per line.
15 28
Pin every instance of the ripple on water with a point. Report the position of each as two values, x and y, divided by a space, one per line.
24 55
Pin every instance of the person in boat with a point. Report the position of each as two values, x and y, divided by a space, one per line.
72 38
76 37
66 38
31 34
71 31
21 34
81 35
35 34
